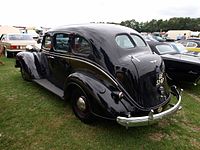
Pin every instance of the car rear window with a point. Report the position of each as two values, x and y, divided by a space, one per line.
19 37
165 49
124 41
138 40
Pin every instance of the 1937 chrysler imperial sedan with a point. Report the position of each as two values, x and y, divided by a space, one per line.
105 70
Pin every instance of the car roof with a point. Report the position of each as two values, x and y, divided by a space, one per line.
96 28
101 35
154 43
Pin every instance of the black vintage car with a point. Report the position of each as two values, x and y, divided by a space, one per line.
105 70
180 66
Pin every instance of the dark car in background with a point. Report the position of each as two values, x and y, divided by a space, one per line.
105 70
180 66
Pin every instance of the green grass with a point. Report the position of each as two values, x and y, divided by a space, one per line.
33 118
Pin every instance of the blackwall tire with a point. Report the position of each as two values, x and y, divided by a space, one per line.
81 105
25 75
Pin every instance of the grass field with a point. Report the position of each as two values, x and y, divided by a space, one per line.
33 118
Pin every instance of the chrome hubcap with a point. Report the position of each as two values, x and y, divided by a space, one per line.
81 103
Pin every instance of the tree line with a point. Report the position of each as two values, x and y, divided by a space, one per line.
160 25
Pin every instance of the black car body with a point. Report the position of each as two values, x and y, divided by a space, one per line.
105 70
179 66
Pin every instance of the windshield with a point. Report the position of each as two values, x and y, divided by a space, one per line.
179 47
165 49
19 37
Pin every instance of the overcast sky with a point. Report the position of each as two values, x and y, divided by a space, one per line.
62 12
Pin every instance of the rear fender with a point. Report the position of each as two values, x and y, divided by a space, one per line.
103 103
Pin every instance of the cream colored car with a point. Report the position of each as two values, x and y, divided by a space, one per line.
191 44
11 44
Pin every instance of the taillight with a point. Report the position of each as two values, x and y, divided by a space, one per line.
13 46
17 47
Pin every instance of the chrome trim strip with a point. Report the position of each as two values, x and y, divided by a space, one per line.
150 119
135 58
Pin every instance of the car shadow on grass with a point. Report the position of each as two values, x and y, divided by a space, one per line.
103 125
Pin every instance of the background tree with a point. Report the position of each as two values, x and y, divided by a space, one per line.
164 25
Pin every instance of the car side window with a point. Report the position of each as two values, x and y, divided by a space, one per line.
138 40
61 42
47 42
81 45
191 44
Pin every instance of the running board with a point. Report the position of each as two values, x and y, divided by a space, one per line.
49 86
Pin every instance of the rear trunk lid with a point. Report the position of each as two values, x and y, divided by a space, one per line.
21 44
145 80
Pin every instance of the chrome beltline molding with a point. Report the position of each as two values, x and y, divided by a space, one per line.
95 66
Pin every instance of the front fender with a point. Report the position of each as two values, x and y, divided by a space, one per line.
103 102
28 61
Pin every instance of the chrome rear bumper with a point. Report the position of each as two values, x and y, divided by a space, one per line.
151 118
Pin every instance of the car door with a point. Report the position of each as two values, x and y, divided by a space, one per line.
58 59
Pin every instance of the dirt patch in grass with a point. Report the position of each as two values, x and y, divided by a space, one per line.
195 143
194 96
156 136
192 127
163 123
173 136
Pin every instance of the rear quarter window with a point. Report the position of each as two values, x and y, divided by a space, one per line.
81 46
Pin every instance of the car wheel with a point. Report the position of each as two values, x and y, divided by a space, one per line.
24 74
81 105
7 54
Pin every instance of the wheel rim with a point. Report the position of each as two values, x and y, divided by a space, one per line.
81 104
